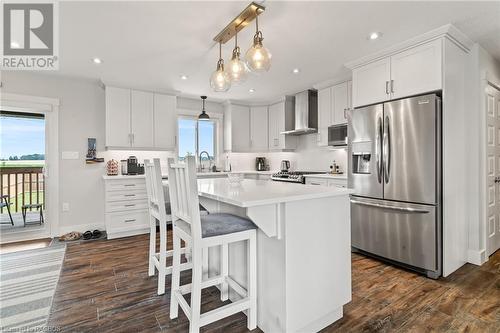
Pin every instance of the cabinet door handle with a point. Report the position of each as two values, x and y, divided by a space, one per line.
130 195
130 205
129 220
392 86
315 183
387 87
129 185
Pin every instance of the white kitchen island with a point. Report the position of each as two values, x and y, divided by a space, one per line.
304 249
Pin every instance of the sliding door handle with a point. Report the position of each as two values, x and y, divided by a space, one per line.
400 209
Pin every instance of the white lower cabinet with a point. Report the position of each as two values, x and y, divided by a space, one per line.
126 208
257 176
336 182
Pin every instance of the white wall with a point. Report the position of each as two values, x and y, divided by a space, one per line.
81 116
480 62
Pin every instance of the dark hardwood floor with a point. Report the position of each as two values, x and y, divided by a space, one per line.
104 287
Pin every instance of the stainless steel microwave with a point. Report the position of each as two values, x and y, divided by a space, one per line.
337 135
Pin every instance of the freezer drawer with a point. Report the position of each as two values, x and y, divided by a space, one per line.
403 232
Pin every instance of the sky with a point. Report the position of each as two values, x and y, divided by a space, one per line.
21 136
187 136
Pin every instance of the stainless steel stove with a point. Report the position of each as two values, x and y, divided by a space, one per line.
293 176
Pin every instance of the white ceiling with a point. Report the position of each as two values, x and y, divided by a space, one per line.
148 45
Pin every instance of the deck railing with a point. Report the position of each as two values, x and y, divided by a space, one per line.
23 185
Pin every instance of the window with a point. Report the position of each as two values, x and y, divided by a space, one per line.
196 137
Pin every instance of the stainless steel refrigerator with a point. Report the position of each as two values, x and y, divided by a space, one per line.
395 171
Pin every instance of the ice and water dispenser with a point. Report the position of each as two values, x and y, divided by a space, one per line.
361 157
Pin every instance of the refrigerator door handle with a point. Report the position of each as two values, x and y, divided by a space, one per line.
386 150
401 209
378 150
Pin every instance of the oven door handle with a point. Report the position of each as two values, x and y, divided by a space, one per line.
401 209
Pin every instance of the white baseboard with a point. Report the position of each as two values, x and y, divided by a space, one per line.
476 257
81 228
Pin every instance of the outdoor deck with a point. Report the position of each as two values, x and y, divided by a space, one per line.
31 217
24 185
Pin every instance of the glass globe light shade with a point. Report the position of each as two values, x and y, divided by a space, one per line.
238 70
258 58
220 81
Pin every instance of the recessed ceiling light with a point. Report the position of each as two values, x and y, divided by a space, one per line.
374 35
252 90
184 77
96 61
296 71
14 45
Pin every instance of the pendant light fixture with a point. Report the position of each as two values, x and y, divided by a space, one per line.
258 58
238 70
220 80
203 115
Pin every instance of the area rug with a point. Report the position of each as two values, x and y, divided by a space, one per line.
28 281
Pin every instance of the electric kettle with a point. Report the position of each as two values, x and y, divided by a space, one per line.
285 166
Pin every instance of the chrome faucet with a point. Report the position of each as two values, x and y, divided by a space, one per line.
201 167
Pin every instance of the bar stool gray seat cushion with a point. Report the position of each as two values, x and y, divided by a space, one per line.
168 209
218 224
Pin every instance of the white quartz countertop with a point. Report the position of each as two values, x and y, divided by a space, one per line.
207 174
252 192
327 176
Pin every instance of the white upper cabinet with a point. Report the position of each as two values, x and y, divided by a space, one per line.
340 94
258 128
370 83
118 117
142 119
417 70
410 72
165 122
333 104
240 128
278 119
324 114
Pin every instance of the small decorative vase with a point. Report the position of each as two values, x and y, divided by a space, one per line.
112 168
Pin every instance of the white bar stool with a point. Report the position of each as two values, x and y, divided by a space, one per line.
159 210
202 232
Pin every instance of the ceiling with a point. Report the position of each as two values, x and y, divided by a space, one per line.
149 45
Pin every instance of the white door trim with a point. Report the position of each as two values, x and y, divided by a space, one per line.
50 108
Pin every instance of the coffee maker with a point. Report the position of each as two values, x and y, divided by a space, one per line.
132 166
260 163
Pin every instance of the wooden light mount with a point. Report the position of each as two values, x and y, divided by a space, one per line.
242 20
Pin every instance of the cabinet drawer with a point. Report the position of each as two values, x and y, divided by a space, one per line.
125 184
116 222
126 195
337 183
316 181
120 206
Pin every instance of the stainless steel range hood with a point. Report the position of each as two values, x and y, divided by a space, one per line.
306 113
